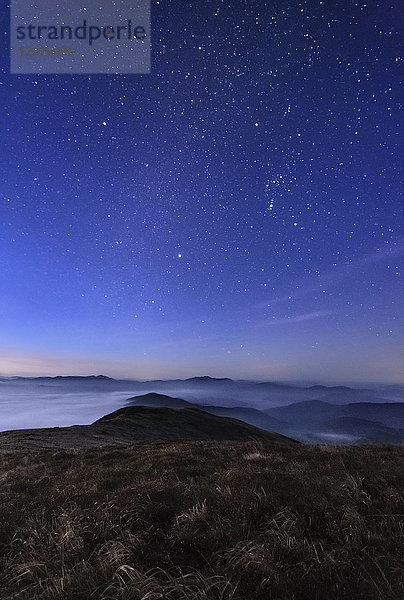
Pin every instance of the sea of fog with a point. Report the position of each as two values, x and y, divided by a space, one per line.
28 404
60 402
28 407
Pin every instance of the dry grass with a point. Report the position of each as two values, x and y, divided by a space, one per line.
202 521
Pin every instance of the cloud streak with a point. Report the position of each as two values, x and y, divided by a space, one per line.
333 277
310 316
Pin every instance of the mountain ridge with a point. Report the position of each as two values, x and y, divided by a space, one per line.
133 424
307 420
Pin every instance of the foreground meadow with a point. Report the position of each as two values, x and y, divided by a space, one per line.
202 521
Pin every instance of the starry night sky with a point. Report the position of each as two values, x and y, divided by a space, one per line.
237 212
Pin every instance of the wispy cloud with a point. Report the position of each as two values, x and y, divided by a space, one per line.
313 284
310 316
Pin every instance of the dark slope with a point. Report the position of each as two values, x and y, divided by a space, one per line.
187 423
390 414
255 417
305 413
360 422
251 416
134 424
312 420
312 412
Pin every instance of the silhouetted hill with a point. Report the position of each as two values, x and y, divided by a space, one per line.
390 414
345 395
207 379
67 378
310 420
248 415
304 413
138 423
186 423
159 400
332 388
258 418
311 412
361 421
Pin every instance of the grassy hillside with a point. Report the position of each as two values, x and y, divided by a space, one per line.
134 424
202 520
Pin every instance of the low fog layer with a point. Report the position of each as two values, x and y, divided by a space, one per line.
60 402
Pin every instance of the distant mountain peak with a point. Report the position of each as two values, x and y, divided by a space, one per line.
151 395
158 400
81 377
311 403
329 388
208 378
